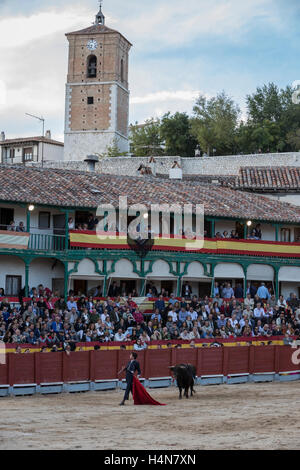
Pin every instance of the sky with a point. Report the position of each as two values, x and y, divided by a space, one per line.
180 50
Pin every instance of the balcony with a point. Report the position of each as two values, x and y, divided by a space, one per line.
86 240
92 240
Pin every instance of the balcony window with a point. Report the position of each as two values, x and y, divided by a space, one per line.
44 220
28 154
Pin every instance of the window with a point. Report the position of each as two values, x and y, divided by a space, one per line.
28 154
13 285
44 220
92 67
285 235
90 100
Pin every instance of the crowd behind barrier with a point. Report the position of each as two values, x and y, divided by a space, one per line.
53 323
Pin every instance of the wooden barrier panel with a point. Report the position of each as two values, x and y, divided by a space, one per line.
210 361
21 369
264 359
238 360
185 356
105 364
76 366
49 367
157 363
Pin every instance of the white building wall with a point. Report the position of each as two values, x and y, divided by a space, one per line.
43 271
78 145
11 265
51 152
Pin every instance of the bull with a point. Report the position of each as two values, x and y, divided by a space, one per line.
184 375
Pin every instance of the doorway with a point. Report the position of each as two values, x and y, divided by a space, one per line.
6 217
80 287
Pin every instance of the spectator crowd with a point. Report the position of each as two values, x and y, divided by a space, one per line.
56 323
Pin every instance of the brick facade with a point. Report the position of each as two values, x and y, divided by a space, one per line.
97 106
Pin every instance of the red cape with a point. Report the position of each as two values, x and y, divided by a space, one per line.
141 396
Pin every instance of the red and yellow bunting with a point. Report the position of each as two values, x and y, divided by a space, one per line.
107 240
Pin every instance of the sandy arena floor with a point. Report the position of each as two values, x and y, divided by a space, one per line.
246 416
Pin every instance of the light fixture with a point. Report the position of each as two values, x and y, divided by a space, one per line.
31 208
146 215
249 223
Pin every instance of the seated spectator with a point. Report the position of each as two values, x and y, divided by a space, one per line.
12 227
139 346
281 302
20 227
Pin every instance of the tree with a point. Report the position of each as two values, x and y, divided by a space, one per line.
176 132
267 103
113 150
145 139
293 139
215 123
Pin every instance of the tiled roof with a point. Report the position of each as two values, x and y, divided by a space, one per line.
21 140
96 29
269 178
76 189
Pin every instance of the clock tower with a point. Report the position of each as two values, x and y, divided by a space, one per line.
97 94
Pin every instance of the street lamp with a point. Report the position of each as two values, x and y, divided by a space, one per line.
43 121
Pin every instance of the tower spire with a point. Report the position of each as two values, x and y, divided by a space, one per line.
100 18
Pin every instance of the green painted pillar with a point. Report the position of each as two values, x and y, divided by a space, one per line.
245 282
66 280
212 280
27 263
277 232
213 228
179 286
245 231
105 286
66 230
28 221
276 283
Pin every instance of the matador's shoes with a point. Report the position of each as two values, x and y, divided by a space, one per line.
122 403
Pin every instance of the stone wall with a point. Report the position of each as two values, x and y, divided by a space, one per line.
227 165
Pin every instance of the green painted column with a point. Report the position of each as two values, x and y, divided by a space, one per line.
179 286
27 263
276 282
212 279
105 286
66 280
245 281
66 230
277 232
28 221
213 228
245 231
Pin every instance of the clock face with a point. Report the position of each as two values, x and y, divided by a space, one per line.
92 45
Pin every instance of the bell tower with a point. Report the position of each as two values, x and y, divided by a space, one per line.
97 91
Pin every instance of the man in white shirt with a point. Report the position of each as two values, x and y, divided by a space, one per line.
173 314
258 312
119 336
